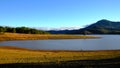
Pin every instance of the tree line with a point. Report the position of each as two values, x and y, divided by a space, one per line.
25 30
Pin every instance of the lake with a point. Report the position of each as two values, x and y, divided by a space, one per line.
107 42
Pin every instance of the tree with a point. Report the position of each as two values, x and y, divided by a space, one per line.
14 30
2 29
25 30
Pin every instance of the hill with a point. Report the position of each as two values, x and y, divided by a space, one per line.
63 31
100 27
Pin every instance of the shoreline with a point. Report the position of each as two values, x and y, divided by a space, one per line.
27 49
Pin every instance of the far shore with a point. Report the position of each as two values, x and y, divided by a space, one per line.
18 36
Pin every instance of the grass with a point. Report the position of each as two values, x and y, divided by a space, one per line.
105 63
18 55
17 36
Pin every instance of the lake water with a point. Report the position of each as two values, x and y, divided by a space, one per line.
107 42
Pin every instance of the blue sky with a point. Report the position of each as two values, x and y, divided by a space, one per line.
57 13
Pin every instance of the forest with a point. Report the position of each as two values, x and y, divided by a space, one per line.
25 30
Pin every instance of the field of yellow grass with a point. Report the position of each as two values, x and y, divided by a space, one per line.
19 55
17 36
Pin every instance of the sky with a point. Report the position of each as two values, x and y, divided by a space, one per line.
62 14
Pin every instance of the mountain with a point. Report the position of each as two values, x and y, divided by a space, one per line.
106 24
100 27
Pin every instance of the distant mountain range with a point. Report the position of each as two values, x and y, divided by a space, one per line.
100 27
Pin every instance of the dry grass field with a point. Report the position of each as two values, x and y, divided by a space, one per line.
17 36
19 55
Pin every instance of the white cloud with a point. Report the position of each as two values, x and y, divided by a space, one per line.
60 28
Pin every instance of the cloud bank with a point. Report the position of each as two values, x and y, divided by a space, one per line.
60 28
